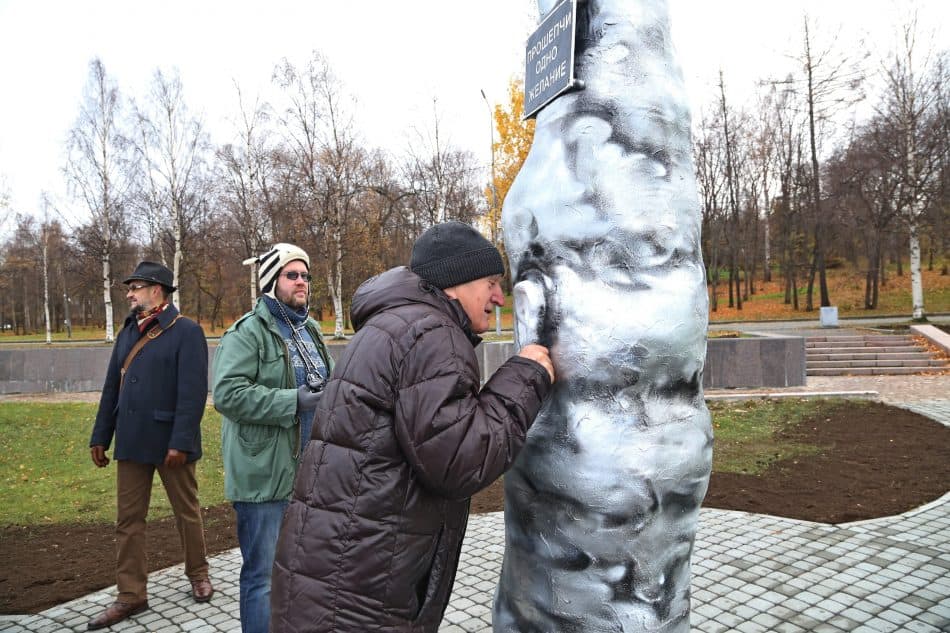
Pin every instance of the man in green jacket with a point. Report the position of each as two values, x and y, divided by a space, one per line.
269 372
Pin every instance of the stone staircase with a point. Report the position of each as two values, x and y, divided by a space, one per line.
869 354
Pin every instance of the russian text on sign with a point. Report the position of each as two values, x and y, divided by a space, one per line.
549 58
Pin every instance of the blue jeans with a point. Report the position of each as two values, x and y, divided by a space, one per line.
258 525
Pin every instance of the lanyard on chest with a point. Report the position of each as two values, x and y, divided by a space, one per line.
315 381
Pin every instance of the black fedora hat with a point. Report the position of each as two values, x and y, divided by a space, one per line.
152 272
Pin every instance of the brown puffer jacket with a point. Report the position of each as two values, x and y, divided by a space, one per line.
402 439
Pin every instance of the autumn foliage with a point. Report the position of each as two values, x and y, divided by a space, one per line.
846 286
509 152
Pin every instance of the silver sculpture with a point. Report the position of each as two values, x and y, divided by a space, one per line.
602 228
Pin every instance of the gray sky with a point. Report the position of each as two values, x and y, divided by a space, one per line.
394 57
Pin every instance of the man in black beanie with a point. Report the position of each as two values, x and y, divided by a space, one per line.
403 437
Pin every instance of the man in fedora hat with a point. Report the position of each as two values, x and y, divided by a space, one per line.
152 403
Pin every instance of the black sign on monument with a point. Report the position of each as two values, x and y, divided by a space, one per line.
549 58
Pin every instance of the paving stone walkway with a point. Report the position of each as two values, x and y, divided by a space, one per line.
751 573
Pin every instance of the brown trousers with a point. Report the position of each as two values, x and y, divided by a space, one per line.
134 494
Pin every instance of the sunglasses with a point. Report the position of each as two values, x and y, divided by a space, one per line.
292 275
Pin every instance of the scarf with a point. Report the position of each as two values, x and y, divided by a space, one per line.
274 305
145 319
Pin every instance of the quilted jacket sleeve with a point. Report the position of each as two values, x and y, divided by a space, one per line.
456 438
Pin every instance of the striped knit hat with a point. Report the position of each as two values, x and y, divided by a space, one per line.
271 263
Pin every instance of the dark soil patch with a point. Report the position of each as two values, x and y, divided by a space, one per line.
43 566
876 461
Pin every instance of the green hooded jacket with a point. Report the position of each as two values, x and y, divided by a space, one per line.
254 388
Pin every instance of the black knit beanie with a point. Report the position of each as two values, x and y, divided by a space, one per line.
454 253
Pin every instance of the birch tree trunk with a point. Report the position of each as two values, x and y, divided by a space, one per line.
66 299
335 283
49 334
173 145
916 281
107 299
179 255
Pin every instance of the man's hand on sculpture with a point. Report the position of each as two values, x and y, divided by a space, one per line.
99 457
307 400
174 458
540 355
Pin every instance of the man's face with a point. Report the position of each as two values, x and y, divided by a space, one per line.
478 298
143 296
293 292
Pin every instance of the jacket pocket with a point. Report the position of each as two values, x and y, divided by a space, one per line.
163 416
416 572
254 438
272 368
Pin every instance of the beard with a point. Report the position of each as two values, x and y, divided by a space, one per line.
291 301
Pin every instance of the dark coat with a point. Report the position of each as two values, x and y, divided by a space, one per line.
163 399
403 437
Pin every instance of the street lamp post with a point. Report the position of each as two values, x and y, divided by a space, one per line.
494 197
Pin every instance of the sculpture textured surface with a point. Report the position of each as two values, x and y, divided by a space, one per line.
602 228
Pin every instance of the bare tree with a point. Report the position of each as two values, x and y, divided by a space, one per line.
388 236
865 178
708 156
6 209
25 272
44 249
732 188
100 170
750 165
914 84
764 145
941 128
21 262
427 170
787 134
829 82
441 177
328 162
173 147
245 172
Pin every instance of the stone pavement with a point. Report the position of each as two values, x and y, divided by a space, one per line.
751 573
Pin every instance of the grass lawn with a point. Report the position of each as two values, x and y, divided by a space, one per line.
47 476
744 432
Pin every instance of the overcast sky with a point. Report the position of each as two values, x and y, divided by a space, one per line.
394 57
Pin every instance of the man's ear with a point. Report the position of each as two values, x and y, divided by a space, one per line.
450 292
